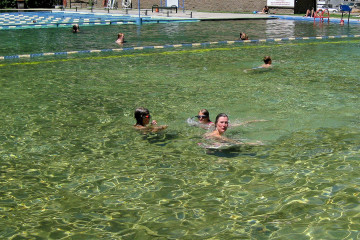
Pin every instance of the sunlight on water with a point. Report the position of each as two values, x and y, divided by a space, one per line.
74 168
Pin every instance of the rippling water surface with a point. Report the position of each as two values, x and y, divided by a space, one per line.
72 166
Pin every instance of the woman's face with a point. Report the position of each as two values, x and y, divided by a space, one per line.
222 124
203 118
146 119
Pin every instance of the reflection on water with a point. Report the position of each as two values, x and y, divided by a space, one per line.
286 28
73 167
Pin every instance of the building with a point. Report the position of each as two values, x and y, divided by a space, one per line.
278 6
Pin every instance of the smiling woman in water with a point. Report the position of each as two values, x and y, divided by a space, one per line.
221 125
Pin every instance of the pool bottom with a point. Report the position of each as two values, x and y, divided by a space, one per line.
74 167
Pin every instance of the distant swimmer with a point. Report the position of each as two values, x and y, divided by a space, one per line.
267 62
266 65
244 36
76 28
121 38
142 116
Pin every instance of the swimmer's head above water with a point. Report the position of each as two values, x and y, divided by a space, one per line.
221 123
76 28
204 116
142 116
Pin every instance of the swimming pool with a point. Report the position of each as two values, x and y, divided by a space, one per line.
73 167
34 41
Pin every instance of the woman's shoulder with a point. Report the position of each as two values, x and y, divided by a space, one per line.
151 128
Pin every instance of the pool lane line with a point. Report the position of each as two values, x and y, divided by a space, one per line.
34 55
169 53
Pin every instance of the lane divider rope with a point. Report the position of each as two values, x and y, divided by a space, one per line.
34 55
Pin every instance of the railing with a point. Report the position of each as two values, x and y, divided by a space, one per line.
321 14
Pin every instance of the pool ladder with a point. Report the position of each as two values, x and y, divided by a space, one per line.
321 14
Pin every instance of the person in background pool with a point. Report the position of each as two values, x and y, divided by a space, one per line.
221 125
121 38
267 62
244 36
76 28
142 116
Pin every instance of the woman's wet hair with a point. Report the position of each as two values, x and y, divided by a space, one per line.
243 36
139 115
76 28
267 59
206 113
219 116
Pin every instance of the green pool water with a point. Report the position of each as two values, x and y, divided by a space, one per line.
72 166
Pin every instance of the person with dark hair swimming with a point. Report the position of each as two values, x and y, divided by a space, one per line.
142 116
267 62
76 28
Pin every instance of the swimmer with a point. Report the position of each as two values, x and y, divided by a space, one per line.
205 122
121 38
221 125
142 116
244 36
267 62
76 28
204 119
